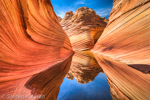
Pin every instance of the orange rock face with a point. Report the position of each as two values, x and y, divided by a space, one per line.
126 83
31 38
83 27
84 67
42 86
105 20
127 35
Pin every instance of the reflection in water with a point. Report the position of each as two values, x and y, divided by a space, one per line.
98 89
84 67
125 82
43 86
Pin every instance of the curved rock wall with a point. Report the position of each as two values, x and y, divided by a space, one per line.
31 38
127 35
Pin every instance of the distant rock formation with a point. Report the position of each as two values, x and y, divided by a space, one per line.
126 83
84 67
31 38
59 18
83 27
105 20
127 35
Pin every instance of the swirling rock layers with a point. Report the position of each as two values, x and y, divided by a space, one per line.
127 35
31 38
126 83
83 28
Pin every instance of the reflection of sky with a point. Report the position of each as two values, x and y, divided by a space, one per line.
95 90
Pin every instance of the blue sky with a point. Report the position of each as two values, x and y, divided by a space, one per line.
102 7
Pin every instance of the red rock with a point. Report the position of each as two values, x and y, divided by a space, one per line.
31 38
126 83
105 20
84 67
127 35
44 85
83 27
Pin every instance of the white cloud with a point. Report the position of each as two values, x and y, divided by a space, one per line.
61 12
79 2
103 12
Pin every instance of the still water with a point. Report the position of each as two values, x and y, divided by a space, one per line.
85 80
82 77
95 90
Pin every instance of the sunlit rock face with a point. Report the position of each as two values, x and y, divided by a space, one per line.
83 27
127 35
126 83
31 38
84 67
41 86
105 20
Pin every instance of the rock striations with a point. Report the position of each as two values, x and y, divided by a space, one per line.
31 41
126 83
83 27
31 38
127 35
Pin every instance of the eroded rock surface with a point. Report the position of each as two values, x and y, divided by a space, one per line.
83 27
41 86
105 20
59 18
31 38
126 83
127 35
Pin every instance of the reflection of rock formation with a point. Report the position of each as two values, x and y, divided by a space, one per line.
127 35
125 82
84 67
83 28
44 85
31 38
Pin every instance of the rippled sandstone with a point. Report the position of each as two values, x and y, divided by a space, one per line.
83 27
127 35
41 86
31 38
126 83
84 67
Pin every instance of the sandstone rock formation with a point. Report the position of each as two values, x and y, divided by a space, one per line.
83 27
126 83
127 35
42 86
105 20
31 38
59 18
84 67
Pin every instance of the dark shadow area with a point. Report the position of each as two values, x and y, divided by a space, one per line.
141 67
48 83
